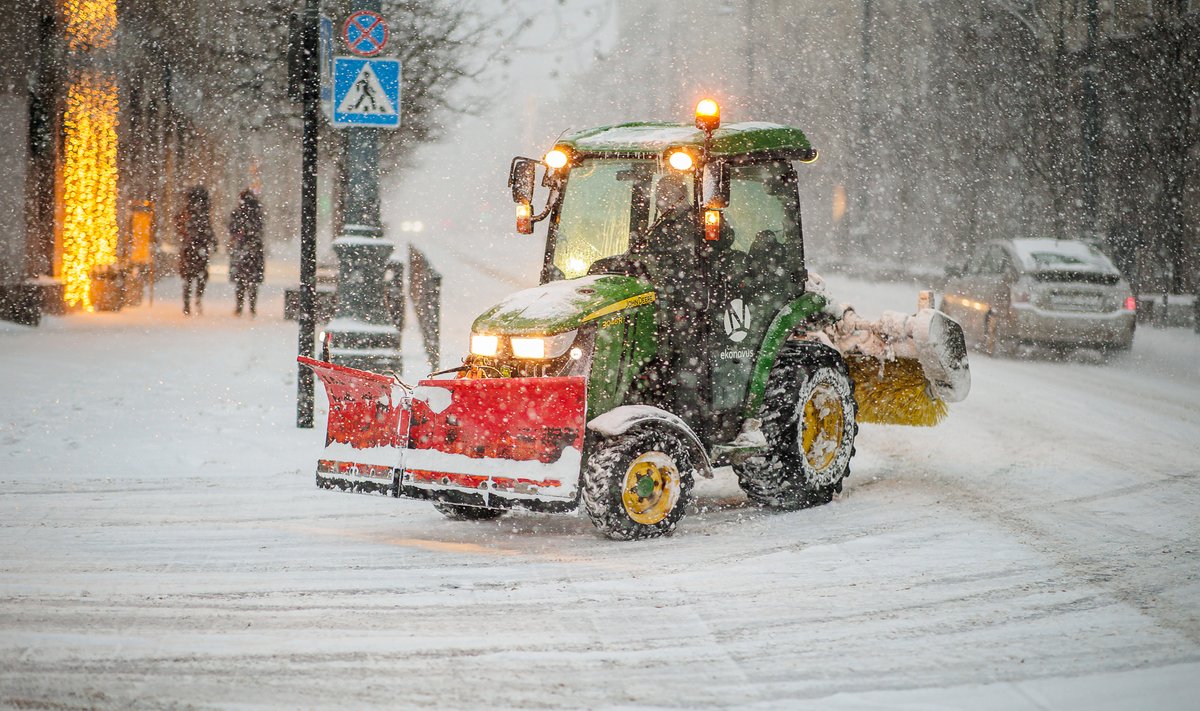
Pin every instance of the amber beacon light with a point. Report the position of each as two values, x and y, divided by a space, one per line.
524 218
712 225
555 159
708 115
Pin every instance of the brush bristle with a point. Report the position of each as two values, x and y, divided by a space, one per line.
893 393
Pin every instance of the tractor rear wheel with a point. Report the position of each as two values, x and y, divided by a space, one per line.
809 418
458 512
635 485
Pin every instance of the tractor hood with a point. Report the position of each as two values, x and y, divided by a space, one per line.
563 305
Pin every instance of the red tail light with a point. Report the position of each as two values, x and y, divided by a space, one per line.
1130 303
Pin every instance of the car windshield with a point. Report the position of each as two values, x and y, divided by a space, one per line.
604 201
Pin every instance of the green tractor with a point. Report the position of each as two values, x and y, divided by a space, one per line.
676 329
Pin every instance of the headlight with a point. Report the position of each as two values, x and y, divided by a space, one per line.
542 347
484 345
529 347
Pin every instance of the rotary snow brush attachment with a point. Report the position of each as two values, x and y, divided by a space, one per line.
894 392
906 368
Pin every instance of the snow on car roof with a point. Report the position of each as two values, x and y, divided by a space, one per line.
1057 254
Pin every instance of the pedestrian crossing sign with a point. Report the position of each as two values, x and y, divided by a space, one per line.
366 92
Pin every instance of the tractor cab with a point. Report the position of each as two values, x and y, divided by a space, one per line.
707 217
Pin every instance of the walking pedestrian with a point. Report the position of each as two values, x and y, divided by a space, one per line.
246 250
197 242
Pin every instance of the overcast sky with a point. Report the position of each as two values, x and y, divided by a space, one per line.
462 178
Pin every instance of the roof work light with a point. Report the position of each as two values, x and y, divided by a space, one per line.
681 160
708 115
555 159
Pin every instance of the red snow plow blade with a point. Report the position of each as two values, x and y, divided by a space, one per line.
494 442
367 428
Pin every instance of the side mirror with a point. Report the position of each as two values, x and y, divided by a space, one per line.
521 177
714 185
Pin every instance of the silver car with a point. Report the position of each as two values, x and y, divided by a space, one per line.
1059 293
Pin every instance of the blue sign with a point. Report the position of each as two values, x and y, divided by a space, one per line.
326 26
366 92
365 33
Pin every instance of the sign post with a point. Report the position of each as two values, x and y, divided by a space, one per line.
366 97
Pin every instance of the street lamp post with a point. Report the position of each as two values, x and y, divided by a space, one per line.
1091 121
310 101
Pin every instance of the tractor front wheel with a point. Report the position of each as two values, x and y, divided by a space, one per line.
636 485
809 418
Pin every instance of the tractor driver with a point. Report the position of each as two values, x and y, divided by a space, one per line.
674 269
665 254
670 249
655 253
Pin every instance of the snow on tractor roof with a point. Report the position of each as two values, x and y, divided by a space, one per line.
654 137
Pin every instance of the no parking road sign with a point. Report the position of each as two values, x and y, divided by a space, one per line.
365 33
366 92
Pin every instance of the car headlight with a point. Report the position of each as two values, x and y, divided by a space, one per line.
538 347
484 345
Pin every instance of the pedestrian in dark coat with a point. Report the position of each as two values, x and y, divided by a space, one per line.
197 242
246 250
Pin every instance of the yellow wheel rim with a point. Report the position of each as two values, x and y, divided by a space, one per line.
824 423
651 488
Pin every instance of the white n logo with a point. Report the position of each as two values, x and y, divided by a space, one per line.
737 321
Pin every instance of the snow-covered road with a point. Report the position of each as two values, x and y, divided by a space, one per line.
162 544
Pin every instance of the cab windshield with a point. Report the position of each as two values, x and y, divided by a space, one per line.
604 202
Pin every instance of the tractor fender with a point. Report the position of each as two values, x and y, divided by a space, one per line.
781 328
627 418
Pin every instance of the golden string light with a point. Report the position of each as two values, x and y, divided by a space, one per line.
89 160
90 24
